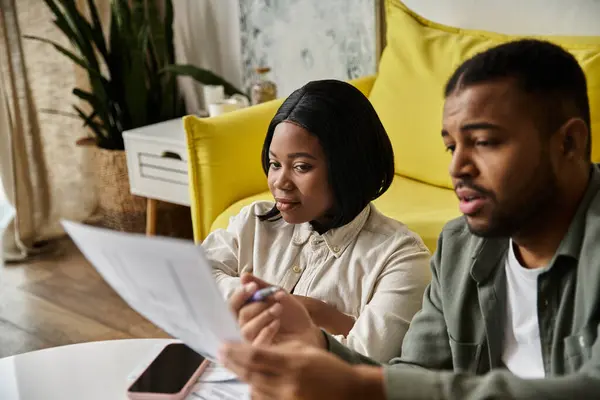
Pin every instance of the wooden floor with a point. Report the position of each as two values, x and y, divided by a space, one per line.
60 299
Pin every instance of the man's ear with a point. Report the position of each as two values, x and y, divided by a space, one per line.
574 136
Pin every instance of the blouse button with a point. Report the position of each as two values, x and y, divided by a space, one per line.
296 269
335 249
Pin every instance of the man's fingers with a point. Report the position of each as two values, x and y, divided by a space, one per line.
251 327
264 385
246 360
266 336
269 394
241 296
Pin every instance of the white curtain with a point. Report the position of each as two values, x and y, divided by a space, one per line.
45 176
207 35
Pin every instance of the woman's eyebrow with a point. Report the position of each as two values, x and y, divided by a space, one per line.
301 154
295 155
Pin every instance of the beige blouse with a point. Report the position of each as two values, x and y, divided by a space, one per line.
373 269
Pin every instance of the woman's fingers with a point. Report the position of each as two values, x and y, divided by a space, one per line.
267 334
241 295
254 317
249 278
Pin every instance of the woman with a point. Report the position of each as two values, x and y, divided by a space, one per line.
360 274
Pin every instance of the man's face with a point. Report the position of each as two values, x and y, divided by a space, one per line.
501 165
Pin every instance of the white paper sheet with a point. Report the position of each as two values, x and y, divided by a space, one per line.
166 280
220 391
217 373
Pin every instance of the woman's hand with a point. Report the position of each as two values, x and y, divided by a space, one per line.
279 318
259 320
327 316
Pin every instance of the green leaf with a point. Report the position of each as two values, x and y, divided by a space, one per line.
92 99
141 85
201 75
168 103
169 17
136 90
61 19
77 60
123 13
98 33
77 29
89 121
157 33
58 112
91 118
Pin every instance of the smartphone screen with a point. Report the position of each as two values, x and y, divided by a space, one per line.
170 370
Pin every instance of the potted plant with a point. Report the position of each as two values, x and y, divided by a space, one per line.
132 83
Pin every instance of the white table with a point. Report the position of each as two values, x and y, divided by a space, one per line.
89 371
157 165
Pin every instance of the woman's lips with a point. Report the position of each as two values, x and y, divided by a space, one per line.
286 205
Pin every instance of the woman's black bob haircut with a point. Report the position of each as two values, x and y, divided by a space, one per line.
360 158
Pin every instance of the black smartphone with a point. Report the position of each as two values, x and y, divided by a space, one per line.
170 375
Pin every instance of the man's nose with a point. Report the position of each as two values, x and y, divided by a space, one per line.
461 164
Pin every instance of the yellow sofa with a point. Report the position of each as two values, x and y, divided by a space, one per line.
224 152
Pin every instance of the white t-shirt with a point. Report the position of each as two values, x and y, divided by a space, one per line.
522 353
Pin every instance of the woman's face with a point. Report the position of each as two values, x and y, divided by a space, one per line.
298 176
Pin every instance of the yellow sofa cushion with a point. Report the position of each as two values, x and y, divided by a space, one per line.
423 208
408 92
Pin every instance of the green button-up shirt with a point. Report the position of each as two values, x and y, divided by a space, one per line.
454 345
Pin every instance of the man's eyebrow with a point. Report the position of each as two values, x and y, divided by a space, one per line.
476 126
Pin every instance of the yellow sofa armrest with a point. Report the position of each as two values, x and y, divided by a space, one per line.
224 161
224 158
364 84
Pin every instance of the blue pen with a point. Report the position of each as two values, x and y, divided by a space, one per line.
262 294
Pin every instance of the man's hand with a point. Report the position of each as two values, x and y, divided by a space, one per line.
295 371
280 318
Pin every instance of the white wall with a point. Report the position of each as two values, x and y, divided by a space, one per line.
305 40
209 30
525 17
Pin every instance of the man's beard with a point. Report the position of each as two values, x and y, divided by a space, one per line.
508 221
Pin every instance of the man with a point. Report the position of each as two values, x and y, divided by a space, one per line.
513 308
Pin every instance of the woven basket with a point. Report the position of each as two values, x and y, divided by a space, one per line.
122 211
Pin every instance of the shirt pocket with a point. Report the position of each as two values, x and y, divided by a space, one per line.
578 349
465 356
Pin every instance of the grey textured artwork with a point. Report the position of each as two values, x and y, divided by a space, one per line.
303 40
